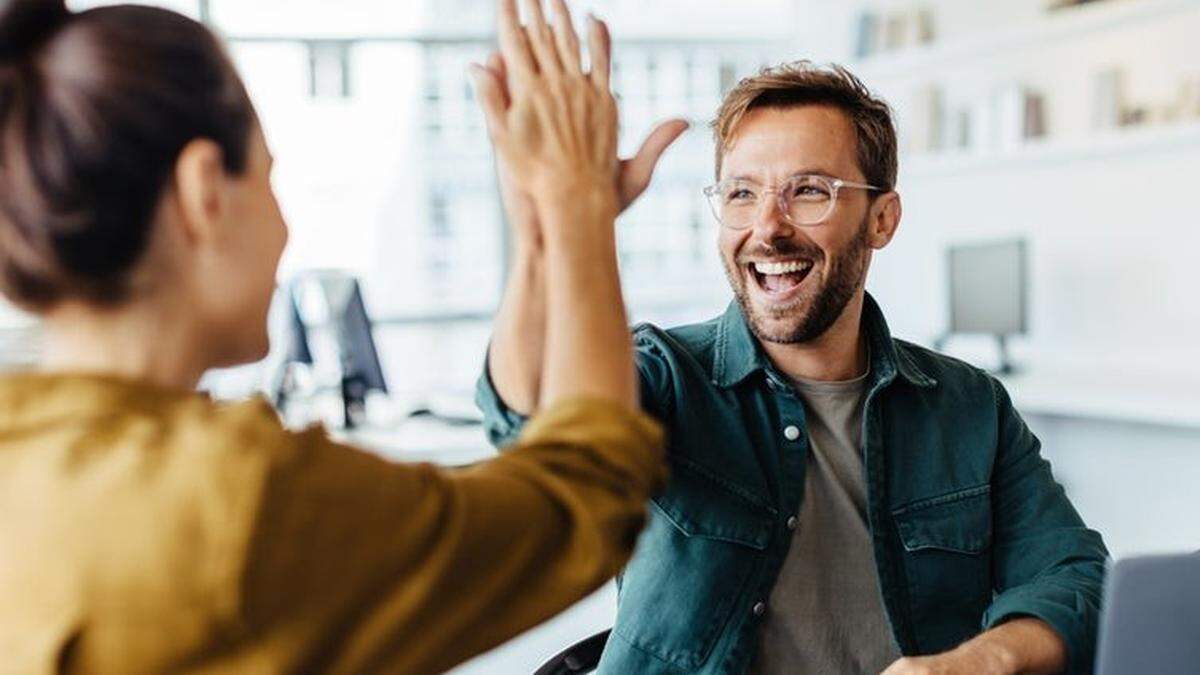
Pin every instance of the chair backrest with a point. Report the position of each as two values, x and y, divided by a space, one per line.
581 657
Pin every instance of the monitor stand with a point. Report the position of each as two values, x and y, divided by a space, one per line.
1006 366
354 401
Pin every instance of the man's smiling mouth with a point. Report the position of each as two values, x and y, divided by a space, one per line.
779 279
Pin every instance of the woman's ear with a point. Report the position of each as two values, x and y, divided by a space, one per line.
200 190
883 219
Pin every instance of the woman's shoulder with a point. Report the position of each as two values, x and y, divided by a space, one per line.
97 415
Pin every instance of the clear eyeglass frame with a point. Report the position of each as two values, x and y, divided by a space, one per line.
713 193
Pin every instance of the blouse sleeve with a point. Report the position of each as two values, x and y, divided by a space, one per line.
357 564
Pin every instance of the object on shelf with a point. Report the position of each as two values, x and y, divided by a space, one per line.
893 31
1063 4
1035 116
867 42
1188 103
927 130
895 35
1020 115
926 28
962 132
1108 98
1183 107
1135 116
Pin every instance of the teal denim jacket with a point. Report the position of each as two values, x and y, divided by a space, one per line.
969 526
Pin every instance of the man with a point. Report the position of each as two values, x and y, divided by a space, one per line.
840 501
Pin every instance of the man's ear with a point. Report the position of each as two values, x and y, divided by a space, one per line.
883 219
200 190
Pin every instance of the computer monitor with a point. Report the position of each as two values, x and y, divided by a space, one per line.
290 330
334 302
296 349
989 291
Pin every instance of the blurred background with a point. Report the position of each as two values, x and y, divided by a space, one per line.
1049 151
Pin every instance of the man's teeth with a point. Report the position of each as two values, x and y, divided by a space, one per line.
781 267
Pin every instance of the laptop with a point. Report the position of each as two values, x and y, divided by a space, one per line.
1151 621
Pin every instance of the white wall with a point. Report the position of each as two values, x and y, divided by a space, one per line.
1110 216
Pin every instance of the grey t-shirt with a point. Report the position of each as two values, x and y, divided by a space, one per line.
826 614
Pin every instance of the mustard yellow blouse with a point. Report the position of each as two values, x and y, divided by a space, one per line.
145 530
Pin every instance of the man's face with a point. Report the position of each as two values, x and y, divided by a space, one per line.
824 264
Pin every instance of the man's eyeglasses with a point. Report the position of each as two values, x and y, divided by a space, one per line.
803 200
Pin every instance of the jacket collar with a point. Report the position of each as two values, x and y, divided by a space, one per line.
738 354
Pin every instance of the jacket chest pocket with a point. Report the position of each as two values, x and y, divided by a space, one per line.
948 561
692 565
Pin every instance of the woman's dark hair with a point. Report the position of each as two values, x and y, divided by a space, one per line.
95 108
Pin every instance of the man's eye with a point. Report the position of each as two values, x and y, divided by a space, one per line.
809 192
738 195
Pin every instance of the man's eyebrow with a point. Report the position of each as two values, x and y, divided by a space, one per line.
807 171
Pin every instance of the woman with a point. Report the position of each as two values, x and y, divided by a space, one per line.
145 528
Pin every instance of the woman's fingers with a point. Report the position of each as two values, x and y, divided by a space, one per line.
514 44
495 63
600 48
493 99
566 39
541 38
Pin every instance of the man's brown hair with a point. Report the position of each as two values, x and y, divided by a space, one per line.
806 83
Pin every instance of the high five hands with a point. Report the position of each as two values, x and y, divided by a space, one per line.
553 122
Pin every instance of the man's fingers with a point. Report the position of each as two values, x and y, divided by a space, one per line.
657 142
599 47
637 170
489 89
566 39
514 43
541 38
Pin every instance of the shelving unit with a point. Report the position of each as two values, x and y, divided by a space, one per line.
1121 143
1058 27
957 98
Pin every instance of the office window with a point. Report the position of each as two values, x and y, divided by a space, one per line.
384 169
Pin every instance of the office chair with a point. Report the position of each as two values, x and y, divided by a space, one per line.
581 657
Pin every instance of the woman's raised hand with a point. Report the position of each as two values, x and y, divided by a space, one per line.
554 125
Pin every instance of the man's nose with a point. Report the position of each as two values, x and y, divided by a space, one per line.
769 222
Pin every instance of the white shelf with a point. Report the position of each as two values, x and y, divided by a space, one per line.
1122 143
1058 27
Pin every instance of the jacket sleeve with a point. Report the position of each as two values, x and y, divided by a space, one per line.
1048 564
503 425
361 565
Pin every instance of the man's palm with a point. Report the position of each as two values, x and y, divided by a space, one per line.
634 173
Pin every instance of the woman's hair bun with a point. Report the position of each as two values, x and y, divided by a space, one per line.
25 24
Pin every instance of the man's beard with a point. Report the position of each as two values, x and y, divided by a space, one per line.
814 314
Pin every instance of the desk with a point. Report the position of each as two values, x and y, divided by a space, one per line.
422 439
1163 400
